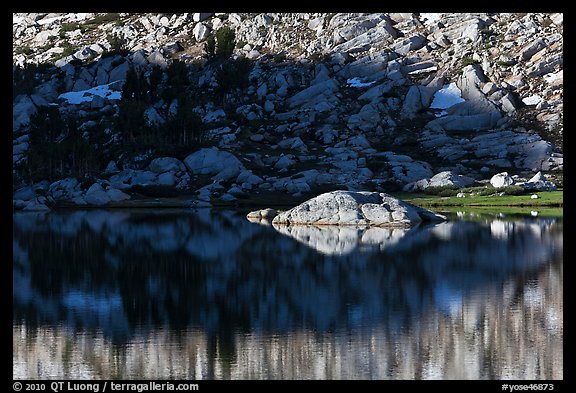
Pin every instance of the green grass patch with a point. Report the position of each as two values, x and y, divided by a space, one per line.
68 50
23 50
488 190
468 60
105 18
329 18
66 27
545 199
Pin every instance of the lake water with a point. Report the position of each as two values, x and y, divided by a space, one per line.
206 294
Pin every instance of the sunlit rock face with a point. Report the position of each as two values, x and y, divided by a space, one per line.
356 208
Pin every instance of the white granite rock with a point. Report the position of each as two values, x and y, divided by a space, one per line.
501 179
212 161
356 208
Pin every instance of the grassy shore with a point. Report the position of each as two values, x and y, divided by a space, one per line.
545 199
549 203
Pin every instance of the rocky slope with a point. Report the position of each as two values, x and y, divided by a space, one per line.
300 103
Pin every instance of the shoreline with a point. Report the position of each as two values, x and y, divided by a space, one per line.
546 200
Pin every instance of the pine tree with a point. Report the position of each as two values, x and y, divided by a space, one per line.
183 130
232 75
136 86
131 123
155 82
225 42
46 129
210 47
222 46
177 80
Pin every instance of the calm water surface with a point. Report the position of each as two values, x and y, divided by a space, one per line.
206 294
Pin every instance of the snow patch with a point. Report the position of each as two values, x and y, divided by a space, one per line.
47 21
356 82
446 97
551 77
423 70
532 100
430 17
78 97
17 20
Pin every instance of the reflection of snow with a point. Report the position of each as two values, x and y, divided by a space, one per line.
355 315
104 309
446 97
78 97
356 82
93 303
448 299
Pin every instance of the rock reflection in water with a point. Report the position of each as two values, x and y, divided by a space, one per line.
340 240
207 294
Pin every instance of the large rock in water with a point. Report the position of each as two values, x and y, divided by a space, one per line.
356 208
